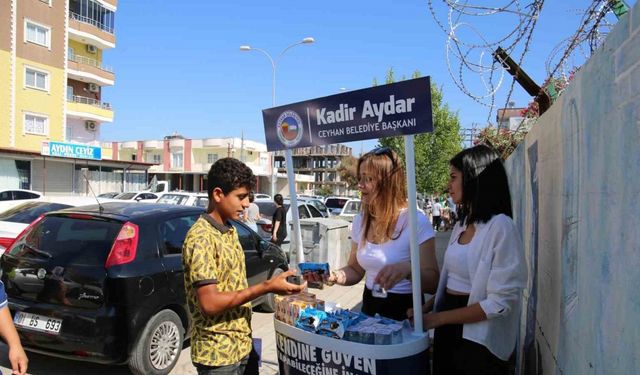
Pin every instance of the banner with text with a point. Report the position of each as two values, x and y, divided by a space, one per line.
300 358
400 108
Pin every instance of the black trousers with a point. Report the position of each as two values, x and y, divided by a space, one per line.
453 355
395 306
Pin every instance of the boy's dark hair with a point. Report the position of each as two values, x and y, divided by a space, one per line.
485 186
278 199
229 174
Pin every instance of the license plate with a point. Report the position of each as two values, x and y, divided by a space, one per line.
38 322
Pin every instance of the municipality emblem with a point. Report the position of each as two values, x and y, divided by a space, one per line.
289 128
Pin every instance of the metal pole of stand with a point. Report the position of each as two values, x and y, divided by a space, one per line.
416 284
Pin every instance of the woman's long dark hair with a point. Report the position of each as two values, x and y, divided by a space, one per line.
485 186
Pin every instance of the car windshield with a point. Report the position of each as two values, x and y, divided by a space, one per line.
351 208
68 240
336 202
266 208
173 199
125 196
28 212
202 202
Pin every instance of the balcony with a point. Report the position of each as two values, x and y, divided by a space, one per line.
89 31
89 109
85 69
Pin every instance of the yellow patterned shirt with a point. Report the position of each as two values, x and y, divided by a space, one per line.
212 254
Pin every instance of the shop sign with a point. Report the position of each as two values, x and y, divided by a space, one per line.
71 150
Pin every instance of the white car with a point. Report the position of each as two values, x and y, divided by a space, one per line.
14 220
141 196
305 211
185 199
350 209
13 197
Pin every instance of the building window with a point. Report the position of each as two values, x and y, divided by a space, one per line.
176 160
212 158
36 79
157 158
34 124
37 34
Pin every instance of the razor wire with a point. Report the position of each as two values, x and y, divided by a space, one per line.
470 47
470 44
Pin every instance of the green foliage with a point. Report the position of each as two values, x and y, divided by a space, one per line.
504 141
432 150
348 171
324 190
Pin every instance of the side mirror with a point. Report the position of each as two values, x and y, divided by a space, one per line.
138 199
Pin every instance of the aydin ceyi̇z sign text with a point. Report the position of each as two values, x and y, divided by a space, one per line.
401 108
71 150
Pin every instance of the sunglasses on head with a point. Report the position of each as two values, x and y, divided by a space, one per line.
385 151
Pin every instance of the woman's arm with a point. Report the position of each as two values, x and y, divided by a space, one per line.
429 271
352 273
463 315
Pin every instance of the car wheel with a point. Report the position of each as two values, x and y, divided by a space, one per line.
269 304
159 345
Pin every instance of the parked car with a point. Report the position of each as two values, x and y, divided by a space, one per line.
185 199
350 209
335 204
318 204
262 196
13 197
141 196
105 283
305 211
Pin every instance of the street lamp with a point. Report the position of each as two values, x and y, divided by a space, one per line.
287 153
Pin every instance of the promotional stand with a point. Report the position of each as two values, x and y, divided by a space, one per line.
402 108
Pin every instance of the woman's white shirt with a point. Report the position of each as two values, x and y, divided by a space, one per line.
498 274
458 267
373 257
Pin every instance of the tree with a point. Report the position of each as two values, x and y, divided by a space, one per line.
432 150
348 173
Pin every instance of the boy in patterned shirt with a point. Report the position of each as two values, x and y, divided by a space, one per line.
215 276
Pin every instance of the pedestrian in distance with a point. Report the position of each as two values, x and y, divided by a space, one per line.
436 211
477 305
17 356
278 221
218 294
380 240
251 215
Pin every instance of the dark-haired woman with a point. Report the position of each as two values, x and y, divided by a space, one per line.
478 300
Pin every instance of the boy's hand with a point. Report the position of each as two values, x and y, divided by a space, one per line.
280 285
18 359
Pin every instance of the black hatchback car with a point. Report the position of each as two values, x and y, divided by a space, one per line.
105 283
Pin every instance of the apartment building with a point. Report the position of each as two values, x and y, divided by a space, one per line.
185 162
320 166
52 78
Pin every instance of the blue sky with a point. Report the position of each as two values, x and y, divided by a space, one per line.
179 67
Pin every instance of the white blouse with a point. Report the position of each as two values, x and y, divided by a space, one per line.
373 257
498 273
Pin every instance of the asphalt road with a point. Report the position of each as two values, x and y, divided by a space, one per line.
45 365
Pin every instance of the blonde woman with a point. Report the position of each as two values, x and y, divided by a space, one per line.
380 240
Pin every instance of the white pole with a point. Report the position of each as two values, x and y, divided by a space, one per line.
296 235
413 232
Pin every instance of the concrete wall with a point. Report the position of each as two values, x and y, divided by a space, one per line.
576 184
